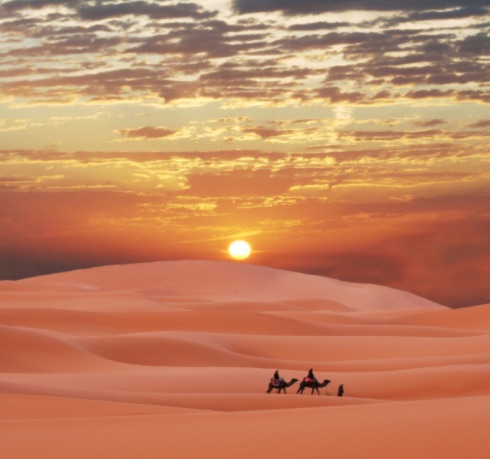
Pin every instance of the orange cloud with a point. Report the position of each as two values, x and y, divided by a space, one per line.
266 133
147 132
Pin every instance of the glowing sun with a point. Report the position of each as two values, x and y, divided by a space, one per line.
239 250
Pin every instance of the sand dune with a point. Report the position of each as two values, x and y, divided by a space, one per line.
226 280
173 359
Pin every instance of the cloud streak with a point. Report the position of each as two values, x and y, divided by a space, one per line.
322 6
147 132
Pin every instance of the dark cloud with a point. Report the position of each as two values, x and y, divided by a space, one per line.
36 4
479 96
260 81
334 94
430 123
108 85
318 26
229 74
190 64
431 15
142 8
478 45
208 39
420 60
293 7
316 41
429 93
85 43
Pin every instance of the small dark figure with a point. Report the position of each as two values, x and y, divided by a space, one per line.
276 380
340 392
311 377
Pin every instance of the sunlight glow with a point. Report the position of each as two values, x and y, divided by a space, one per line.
239 250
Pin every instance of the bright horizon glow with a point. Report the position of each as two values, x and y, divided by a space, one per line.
239 250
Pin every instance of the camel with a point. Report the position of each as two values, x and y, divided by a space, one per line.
281 387
315 385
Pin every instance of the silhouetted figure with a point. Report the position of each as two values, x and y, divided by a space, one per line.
340 392
310 377
276 380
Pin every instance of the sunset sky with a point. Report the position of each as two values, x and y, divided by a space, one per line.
348 138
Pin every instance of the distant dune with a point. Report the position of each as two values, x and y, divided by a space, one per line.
224 280
172 359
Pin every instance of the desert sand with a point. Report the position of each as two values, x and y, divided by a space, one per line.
172 359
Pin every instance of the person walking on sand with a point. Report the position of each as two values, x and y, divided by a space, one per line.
340 392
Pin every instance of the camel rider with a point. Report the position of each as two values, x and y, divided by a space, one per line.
276 379
311 377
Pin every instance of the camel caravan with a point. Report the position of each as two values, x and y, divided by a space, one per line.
309 381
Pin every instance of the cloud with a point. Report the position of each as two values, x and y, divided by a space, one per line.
14 5
147 132
429 93
334 95
266 133
478 45
438 63
236 62
460 12
320 25
430 123
293 7
480 124
211 38
205 157
390 135
144 8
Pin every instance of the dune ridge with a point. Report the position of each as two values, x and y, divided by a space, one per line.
174 358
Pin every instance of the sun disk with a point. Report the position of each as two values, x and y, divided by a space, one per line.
239 250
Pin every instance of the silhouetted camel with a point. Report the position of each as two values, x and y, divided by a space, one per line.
315 385
280 387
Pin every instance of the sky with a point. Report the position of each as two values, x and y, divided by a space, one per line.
348 139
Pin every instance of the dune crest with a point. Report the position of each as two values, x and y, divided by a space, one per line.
171 358
221 280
